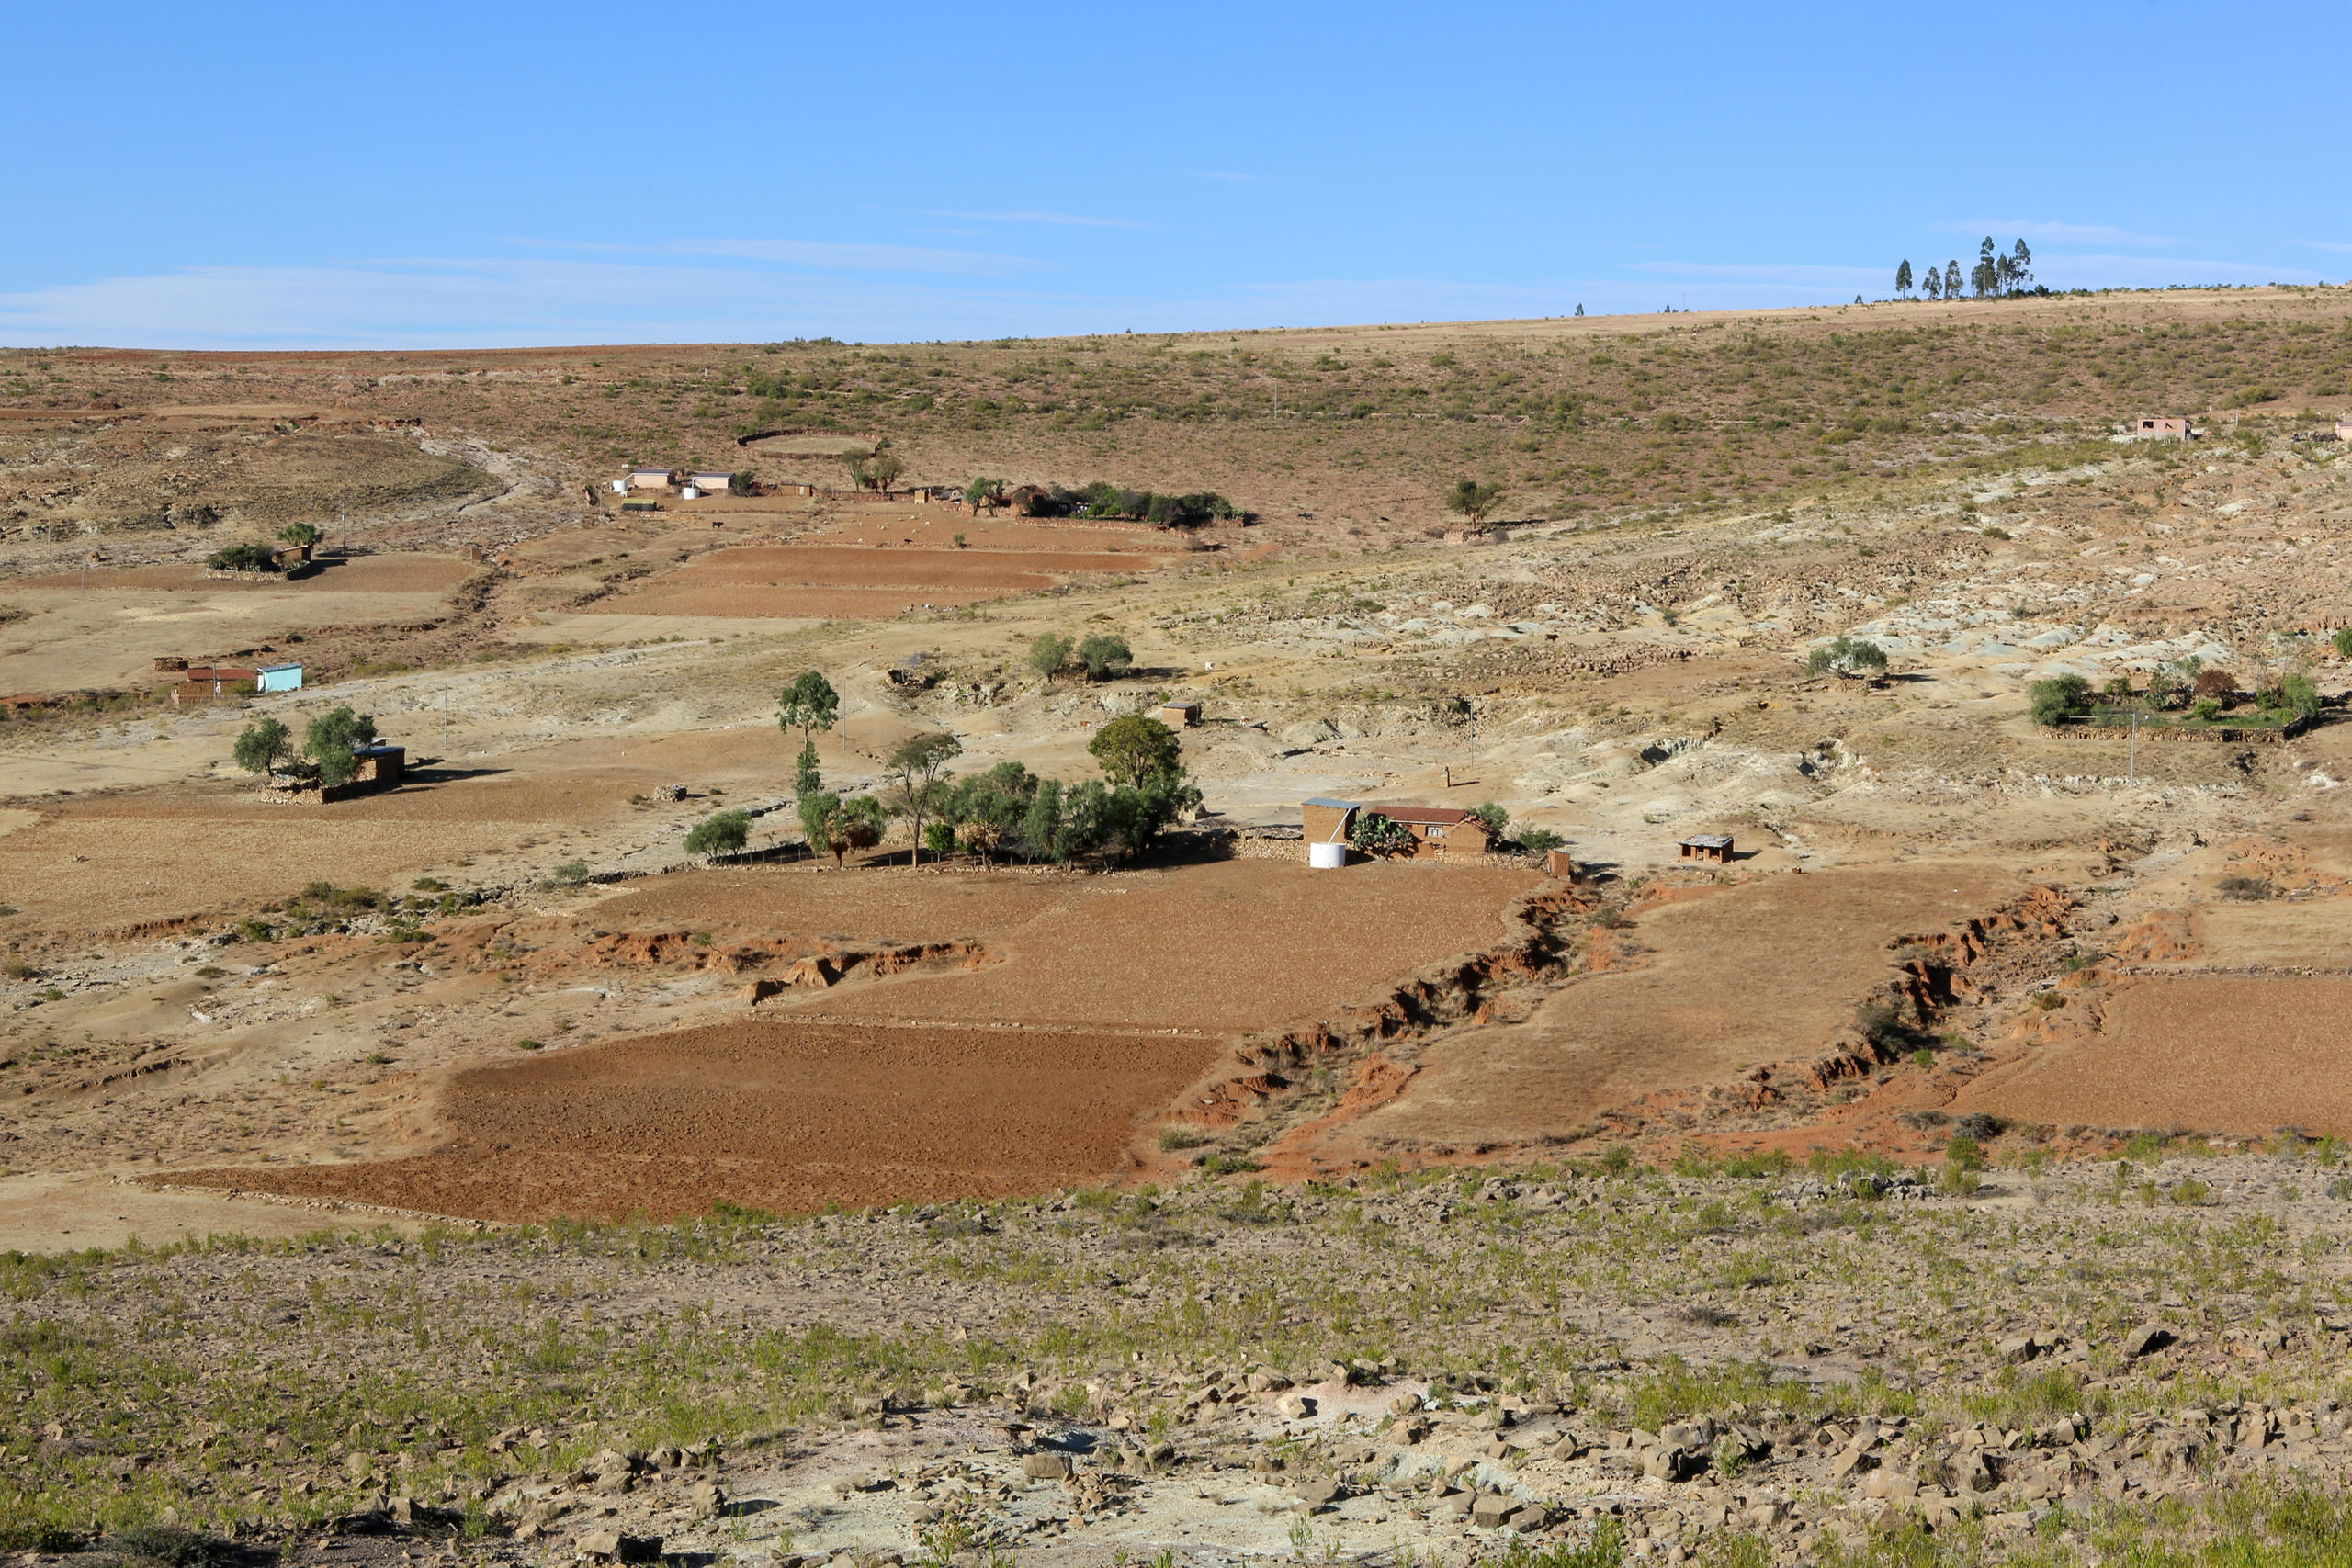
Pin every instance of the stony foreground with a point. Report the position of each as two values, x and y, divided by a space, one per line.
1422 1368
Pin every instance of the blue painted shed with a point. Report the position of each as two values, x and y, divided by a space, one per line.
279 678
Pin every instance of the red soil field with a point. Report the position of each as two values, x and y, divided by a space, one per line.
1237 946
777 1114
2214 1053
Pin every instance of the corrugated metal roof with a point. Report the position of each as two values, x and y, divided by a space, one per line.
1334 805
1708 840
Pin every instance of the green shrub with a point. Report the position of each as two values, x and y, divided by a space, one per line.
2058 699
243 558
721 833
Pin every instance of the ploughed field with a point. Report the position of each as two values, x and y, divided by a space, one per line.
777 1114
936 1034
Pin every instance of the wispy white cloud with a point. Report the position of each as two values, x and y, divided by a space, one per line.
1063 219
2328 244
825 256
610 297
1792 275
2110 271
2055 233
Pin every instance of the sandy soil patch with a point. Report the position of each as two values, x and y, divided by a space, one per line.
828 579
779 1114
1756 972
2314 933
397 573
70 1213
2228 1054
121 860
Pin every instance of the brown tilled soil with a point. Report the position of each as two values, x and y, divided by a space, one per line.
1234 946
780 1114
1717 981
2247 1054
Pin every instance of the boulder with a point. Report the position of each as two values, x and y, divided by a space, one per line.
2147 1340
1489 1511
1315 1491
611 1546
1890 1483
1671 1463
1046 1467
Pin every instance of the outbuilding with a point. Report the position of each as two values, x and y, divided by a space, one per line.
2164 427
279 678
1712 848
1440 832
652 479
1180 715
712 484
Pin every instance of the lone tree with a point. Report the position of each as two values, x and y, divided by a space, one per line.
990 807
721 833
333 742
1135 749
885 469
1473 499
918 773
1106 656
1903 276
808 704
1048 653
1376 834
263 742
1847 656
840 826
2056 700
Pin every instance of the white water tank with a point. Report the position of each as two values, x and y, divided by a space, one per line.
690 494
620 487
1326 857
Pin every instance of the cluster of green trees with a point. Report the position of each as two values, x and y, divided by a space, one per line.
1996 273
330 751
2179 684
1104 655
1114 503
1005 810
877 469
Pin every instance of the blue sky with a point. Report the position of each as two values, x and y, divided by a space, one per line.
429 175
